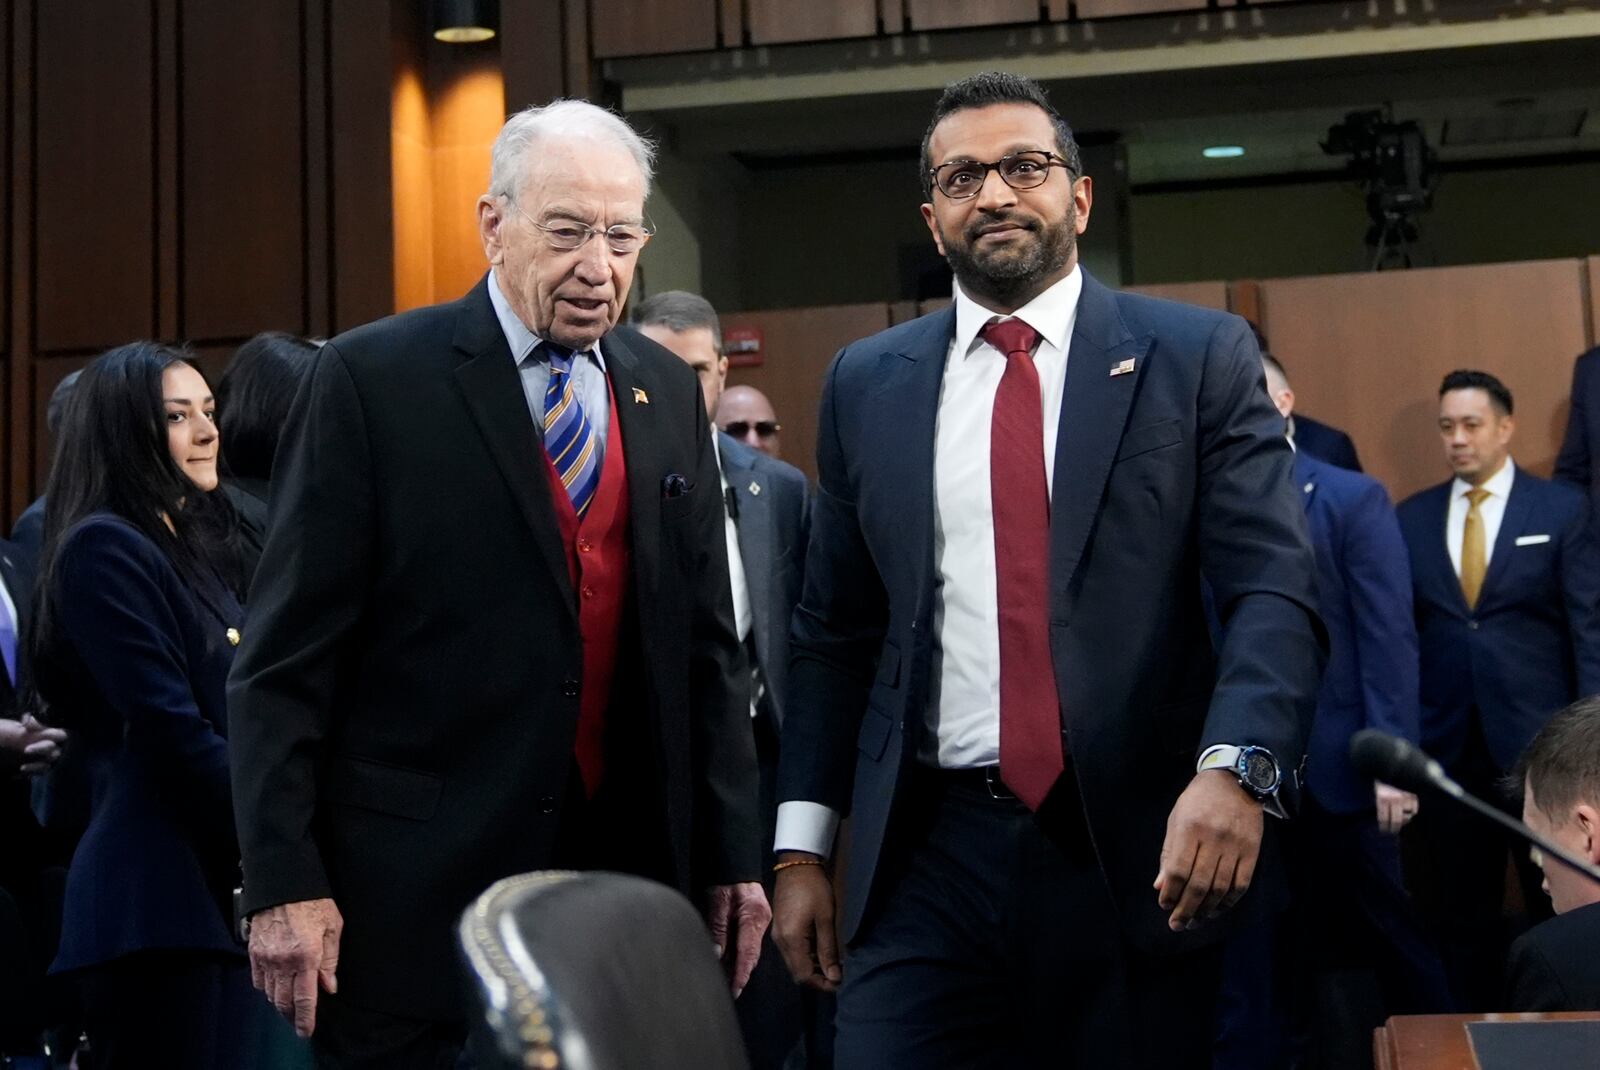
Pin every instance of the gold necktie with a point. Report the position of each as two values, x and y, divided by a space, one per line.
1474 554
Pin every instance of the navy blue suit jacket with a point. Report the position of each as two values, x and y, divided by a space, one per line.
1325 442
1578 462
1531 645
774 521
1176 468
138 671
1364 592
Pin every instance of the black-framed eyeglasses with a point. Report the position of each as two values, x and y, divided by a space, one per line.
566 235
961 179
764 428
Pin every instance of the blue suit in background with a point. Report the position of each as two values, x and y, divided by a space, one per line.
1325 442
1491 676
1578 462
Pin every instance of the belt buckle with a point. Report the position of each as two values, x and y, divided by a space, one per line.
997 787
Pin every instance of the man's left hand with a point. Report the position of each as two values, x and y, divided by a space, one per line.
1395 807
738 917
1209 856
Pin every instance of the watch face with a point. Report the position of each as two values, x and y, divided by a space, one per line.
1260 771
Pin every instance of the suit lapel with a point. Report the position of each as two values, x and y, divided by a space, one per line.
1512 523
1094 414
493 390
1438 555
908 401
642 439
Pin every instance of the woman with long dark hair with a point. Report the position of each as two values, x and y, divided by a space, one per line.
138 617
253 398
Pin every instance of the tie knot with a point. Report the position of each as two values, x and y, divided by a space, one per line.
1477 496
1010 337
560 356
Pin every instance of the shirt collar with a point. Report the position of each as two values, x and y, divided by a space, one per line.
1498 485
1051 313
521 340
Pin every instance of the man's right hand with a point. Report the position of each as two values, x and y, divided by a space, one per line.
802 923
293 947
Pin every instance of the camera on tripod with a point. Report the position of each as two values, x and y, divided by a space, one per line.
1396 167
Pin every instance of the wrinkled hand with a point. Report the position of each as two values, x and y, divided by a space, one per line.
293 947
743 909
802 925
1395 807
31 744
1209 856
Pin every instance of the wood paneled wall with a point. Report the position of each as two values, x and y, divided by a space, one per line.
798 345
189 171
1367 353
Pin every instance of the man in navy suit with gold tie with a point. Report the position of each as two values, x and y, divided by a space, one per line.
1507 592
1002 669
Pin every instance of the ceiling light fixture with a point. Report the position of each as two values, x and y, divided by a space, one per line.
1222 152
463 22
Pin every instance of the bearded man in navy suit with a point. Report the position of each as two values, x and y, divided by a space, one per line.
1002 668
1507 590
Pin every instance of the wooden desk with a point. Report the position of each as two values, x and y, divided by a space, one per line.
1439 1041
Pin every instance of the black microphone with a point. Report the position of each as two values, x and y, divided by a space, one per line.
1394 761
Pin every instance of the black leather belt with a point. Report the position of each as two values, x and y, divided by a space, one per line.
982 780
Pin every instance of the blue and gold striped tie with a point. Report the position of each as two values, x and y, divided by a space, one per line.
568 435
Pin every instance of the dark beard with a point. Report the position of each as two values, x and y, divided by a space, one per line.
1012 278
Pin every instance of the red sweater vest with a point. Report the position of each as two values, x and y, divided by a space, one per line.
599 560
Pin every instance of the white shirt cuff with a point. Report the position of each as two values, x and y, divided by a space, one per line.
806 826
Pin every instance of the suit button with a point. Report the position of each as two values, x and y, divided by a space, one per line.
588 592
569 687
1472 624
547 804
584 546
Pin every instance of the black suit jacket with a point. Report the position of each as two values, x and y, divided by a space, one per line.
1555 966
1578 462
1173 469
774 520
406 698
1325 443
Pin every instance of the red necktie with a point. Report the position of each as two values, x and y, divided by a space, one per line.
1031 757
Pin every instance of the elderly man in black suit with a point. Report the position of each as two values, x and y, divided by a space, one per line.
1555 966
491 631
768 517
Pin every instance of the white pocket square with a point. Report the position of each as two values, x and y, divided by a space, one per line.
1532 540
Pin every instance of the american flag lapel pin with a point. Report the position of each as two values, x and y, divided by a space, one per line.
640 397
1123 368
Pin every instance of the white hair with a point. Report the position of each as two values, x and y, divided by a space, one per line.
560 118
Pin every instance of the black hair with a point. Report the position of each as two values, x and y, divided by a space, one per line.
997 87
1562 763
1463 379
680 310
113 457
253 398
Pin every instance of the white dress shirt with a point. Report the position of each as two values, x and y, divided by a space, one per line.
963 714
742 617
1492 511
588 372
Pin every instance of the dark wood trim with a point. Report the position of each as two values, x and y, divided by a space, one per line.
167 82
316 245
21 120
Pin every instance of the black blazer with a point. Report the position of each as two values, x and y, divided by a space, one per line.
1173 469
407 693
774 521
1578 462
1555 966
1531 644
138 676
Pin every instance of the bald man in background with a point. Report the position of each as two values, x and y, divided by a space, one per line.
744 413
